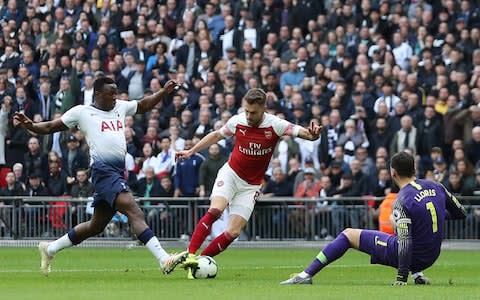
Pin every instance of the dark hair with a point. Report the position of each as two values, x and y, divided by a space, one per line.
404 164
100 82
394 188
256 96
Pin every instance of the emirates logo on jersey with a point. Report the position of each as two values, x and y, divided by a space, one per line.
268 134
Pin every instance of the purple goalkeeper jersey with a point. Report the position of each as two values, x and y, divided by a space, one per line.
419 213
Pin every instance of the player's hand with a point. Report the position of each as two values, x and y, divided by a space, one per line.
170 86
314 129
22 120
182 155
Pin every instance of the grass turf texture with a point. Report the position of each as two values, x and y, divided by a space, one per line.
105 274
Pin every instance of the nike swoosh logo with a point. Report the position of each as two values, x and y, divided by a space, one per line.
205 225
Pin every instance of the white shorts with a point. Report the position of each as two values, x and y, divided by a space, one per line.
241 196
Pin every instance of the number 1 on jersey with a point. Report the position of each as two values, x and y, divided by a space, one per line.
433 212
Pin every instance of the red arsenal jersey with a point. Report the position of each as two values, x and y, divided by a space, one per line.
254 146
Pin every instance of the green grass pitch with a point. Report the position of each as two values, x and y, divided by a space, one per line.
81 273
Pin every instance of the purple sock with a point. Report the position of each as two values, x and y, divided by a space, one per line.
330 253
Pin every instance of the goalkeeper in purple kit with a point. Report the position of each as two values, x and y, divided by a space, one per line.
419 215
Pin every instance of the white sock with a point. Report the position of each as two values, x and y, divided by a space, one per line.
154 246
303 275
416 275
59 244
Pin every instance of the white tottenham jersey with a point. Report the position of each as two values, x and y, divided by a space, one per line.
103 130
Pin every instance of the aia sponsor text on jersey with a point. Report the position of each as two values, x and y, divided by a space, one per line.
111 126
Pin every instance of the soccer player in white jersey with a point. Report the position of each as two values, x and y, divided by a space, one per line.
103 125
239 181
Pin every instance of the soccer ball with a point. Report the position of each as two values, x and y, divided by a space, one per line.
207 268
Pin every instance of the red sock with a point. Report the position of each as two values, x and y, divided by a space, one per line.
219 244
203 229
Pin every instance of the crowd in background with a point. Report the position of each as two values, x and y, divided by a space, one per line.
379 76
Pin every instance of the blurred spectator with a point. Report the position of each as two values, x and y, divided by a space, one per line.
383 183
57 179
455 185
293 77
388 98
186 124
35 161
310 186
286 149
36 186
209 169
148 186
381 136
406 137
454 122
429 129
361 184
165 158
367 164
279 185
4 113
473 147
186 174
82 187
73 159
440 170
308 163
203 126
147 160
351 140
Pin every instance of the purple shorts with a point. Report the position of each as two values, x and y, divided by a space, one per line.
382 247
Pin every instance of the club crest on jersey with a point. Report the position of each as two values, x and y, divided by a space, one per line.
220 183
268 134
111 126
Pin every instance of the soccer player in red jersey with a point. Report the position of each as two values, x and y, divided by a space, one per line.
239 181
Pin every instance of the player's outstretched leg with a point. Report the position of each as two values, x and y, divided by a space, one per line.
330 253
101 216
127 205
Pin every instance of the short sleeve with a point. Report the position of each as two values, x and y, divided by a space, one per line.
129 107
228 130
283 127
71 117
132 108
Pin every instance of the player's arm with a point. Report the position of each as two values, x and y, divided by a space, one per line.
47 127
454 209
311 133
210 139
149 102
403 225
